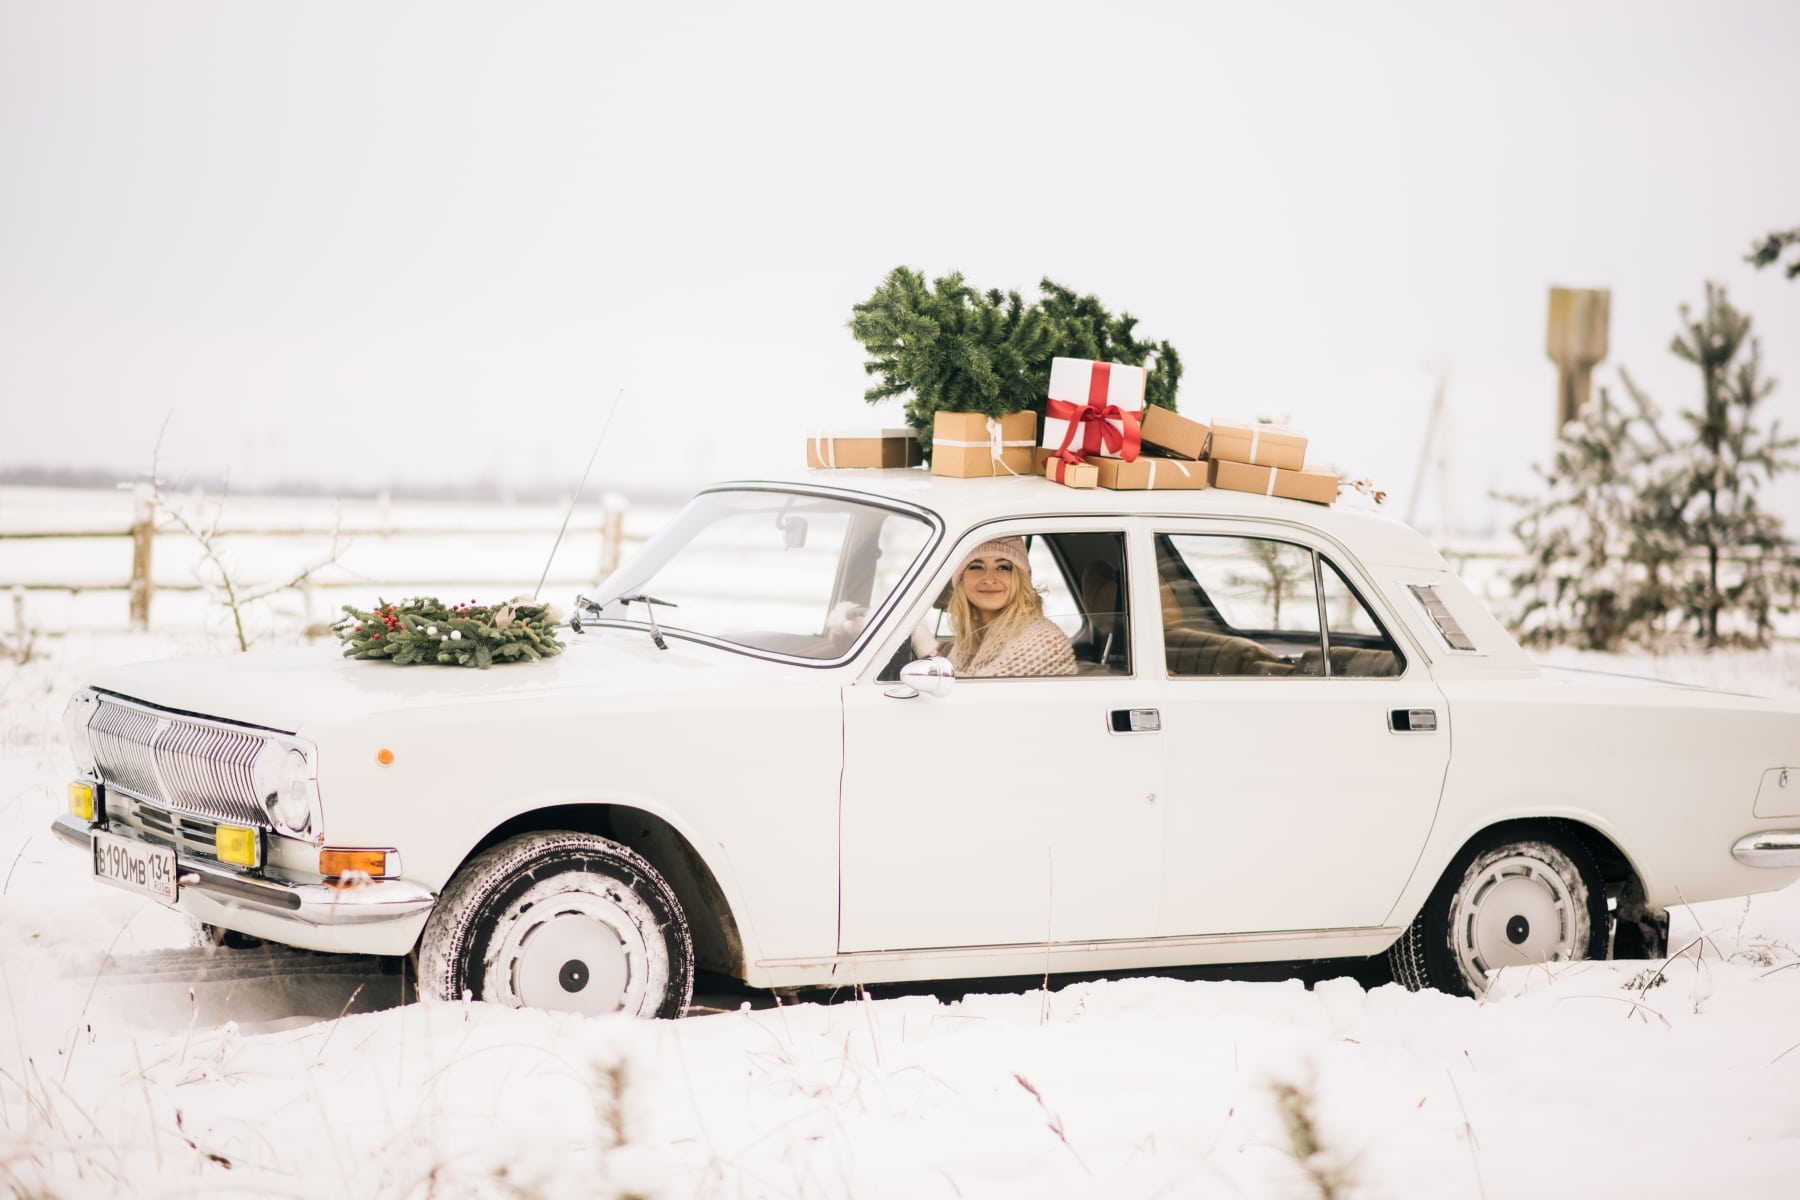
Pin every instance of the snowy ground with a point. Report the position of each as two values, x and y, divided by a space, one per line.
137 1065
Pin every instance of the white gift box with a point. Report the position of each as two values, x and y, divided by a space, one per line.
1095 408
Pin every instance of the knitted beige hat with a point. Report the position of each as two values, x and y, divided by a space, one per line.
1010 548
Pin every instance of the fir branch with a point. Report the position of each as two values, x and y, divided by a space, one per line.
425 630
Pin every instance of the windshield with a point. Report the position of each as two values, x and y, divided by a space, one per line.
780 572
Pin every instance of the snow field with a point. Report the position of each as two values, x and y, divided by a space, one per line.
134 1065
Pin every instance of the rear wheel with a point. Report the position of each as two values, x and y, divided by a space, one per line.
566 921
1509 899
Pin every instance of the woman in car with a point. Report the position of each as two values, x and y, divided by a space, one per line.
997 617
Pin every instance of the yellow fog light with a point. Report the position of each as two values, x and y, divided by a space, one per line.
235 845
353 864
81 800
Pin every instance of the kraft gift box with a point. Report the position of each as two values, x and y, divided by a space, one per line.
1150 473
1070 474
831 448
1320 487
971 445
1115 394
1260 445
1174 435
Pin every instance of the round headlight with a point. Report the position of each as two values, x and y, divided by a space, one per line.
292 803
265 774
75 724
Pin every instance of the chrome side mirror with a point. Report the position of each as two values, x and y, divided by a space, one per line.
925 677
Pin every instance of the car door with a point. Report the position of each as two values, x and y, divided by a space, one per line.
1307 746
1009 811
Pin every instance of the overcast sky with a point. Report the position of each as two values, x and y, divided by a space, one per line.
432 242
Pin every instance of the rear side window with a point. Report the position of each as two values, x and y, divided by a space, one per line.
1439 612
1248 606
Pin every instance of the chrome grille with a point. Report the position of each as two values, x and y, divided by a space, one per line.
179 763
191 836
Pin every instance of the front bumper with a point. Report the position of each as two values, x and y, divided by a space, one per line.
1774 848
287 911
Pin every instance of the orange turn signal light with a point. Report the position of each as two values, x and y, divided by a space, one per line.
335 864
385 757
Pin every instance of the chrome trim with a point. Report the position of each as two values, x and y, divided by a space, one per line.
871 628
200 766
1775 848
1070 948
317 904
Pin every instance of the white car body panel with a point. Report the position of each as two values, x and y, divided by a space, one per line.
1005 827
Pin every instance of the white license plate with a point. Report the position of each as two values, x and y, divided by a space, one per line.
134 865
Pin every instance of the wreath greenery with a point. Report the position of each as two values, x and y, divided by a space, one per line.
425 630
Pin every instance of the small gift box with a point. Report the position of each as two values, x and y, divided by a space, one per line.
1174 435
971 445
1067 468
1320 487
1094 408
832 448
1259 445
1149 473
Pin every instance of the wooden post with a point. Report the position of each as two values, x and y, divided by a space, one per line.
612 534
143 537
1579 318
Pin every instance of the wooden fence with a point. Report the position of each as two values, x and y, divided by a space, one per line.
141 587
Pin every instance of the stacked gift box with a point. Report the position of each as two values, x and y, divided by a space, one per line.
1097 433
832 449
1267 459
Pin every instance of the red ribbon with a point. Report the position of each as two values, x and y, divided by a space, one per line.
1096 417
1064 459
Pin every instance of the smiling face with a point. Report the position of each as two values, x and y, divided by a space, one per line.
989 584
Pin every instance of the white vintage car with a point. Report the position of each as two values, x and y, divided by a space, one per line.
1294 734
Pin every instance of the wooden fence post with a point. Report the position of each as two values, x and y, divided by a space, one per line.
143 537
612 534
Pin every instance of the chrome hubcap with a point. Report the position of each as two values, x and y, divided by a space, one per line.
571 949
1514 911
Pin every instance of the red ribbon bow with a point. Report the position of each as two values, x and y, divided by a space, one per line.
1096 417
1064 459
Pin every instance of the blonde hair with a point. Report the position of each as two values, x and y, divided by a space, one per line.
975 642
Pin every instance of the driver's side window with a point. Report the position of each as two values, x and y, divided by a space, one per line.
1080 581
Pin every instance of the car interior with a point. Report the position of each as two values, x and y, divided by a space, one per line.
1282 588
1200 640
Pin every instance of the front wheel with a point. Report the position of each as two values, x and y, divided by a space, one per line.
567 921
1507 900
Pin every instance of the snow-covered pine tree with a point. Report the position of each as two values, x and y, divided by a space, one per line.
1656 536
1739 571
1578 585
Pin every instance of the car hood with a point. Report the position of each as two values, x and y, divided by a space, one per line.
289 691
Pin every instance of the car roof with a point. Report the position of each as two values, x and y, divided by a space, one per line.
1373 536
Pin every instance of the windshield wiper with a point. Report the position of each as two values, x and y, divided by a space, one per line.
593 607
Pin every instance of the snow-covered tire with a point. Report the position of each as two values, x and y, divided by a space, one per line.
563 920
1508 899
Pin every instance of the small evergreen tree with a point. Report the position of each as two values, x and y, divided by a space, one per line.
1579 584
1639 535
1744 568
1084 329
944 346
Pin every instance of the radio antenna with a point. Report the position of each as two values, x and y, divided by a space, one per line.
576 498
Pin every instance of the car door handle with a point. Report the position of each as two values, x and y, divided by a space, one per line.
1413 720
1135 720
